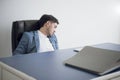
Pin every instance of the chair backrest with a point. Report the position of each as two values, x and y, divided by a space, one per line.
18 28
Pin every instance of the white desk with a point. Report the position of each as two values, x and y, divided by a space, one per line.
10 73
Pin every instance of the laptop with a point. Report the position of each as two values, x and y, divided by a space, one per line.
111 76
95 60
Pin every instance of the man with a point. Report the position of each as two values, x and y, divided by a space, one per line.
40 40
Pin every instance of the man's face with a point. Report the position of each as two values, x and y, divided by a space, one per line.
51 28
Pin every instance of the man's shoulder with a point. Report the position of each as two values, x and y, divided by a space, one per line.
30 32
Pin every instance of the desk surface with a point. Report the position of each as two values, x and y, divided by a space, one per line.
50 66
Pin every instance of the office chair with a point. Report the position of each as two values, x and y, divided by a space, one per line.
18 28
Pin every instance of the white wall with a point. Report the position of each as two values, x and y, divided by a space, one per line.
82 22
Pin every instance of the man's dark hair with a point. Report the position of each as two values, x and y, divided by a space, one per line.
44 19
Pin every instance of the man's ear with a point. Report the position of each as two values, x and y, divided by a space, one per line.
48 23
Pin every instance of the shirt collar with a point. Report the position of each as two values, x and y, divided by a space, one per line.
41 34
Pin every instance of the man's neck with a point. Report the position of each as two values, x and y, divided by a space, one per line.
43 30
